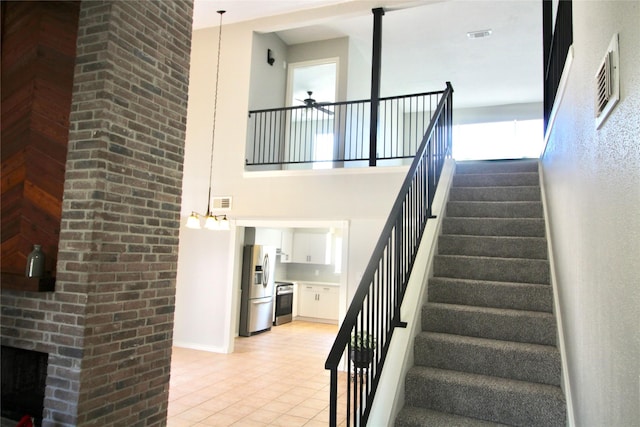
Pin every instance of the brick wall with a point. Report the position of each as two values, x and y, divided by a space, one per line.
108 326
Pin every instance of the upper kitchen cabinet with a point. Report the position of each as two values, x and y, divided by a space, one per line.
311 248
286 246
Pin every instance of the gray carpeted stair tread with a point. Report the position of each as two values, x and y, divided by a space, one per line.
482 293
494 209
493 246
496 179
412 416
506 359
496 399
534 327
497 166
492 268
525 227
487 351
496 194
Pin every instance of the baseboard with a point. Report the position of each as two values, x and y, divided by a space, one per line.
389 398
566 384
193 346
316 320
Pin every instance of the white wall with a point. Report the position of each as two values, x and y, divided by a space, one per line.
325 49
208 262
592 183
268 82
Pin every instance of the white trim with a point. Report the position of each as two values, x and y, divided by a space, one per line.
389 398
559 97
233 296
208 348
566 383
311 63
319 172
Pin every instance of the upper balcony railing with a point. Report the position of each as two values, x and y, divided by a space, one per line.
333 135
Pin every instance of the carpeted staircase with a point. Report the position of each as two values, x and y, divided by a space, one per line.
487 351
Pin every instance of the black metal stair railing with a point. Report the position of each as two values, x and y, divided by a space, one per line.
556 43
365 334
337 133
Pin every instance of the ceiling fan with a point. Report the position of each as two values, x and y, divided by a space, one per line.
310 102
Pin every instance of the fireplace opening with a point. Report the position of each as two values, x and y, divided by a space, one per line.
24 376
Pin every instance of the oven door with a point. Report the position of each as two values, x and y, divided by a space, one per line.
283 305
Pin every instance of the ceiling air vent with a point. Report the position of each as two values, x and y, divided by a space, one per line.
479 34
223 203
607 82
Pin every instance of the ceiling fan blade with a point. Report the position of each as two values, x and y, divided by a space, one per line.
324 110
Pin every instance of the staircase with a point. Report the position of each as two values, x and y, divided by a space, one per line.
487 351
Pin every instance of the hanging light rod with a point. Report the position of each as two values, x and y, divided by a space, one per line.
211 222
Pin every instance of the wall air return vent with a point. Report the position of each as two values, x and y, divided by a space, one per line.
608 83
222 203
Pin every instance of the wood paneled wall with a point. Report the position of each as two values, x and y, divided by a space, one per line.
38 59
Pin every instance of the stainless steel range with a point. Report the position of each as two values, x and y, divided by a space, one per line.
283 312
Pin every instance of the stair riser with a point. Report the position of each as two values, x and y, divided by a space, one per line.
494 269
494 227
492 294
494 209
503 247
519 407
495 194
484 167
524 363
496 180
518 326
487 350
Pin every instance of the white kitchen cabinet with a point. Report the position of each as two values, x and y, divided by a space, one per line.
267 237
286 246
318 301
311 248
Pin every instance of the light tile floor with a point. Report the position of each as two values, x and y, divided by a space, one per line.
276 378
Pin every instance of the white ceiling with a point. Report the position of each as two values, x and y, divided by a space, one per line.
425 43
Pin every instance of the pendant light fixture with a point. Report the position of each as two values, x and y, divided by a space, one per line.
212 222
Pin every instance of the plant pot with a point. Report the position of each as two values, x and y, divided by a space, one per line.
361 358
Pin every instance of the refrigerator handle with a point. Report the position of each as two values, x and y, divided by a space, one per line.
266 273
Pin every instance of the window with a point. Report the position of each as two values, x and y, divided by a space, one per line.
498 140
323 150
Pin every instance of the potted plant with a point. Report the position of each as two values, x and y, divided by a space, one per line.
362 345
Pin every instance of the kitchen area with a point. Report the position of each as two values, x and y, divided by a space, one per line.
288 275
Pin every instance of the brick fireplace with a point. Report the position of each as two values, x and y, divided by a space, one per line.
106 328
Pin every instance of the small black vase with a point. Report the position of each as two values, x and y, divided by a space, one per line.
361 357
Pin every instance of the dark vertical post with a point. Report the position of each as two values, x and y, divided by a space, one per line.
547 38
378 13
333 401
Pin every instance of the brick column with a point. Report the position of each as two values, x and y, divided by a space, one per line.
108 326
121 214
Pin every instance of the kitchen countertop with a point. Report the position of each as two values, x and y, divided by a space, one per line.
307 282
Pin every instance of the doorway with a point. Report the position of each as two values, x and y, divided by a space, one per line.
320 77
311 130
296 272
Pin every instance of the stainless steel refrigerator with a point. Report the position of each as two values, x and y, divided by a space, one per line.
256 300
